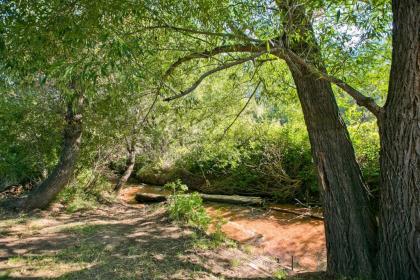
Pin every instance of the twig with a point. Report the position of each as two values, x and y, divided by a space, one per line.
243 109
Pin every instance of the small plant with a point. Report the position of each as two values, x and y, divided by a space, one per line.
235 263
280 274
82 229
176 187
187 208
218 236
248 248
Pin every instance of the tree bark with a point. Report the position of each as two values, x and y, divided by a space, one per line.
399 234
42 195
349 223
131 160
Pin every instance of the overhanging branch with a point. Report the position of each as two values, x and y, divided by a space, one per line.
210 72
201 32
250 48
360 98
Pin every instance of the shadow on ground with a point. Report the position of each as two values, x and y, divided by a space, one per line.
118 242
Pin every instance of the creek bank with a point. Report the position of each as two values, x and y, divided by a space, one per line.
283 191
283 235
154 195
229 199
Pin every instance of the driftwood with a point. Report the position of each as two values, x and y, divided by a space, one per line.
306 214
232 199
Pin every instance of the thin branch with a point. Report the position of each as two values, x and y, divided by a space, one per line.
150 108
208 73
250 48
243 109
195 31
361 99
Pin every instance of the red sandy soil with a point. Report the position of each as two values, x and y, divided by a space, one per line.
267 232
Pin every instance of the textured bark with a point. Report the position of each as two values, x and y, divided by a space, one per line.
131 160
399 234
42 195
349 223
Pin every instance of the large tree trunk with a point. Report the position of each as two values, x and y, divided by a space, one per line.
131 161
349 223
42 195
399 235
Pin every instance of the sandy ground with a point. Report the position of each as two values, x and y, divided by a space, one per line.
125 241
286 237
118 242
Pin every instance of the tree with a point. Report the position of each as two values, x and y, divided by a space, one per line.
345 197
61 175
399 217
344 194
68 47
346 203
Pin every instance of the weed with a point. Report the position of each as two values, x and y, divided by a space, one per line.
82 229
248 248
280 274
235 263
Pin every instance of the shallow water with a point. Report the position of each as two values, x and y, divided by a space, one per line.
286 237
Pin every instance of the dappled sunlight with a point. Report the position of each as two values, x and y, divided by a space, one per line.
280 235
114 243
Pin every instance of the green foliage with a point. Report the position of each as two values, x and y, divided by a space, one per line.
187 208
109 51
86 191
280 274
176 187
30 132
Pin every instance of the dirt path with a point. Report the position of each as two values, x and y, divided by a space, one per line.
117 242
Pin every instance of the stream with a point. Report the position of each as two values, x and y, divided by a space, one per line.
287 237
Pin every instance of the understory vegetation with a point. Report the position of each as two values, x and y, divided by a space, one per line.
258 155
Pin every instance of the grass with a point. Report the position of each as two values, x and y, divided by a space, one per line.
280 274
234 263
248 248
83 229
141 244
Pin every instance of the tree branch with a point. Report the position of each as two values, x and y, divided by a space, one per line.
212 71
202 32
250 48
361 99
243 109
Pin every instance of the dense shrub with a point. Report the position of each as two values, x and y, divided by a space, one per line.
86 191
187 208
269 160
264 159
30 136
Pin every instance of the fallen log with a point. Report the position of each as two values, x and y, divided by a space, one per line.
150 197
232 199
298 213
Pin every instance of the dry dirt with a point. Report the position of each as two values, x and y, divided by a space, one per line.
124 241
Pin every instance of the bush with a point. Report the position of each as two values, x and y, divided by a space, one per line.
187 208
264 160
86 191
